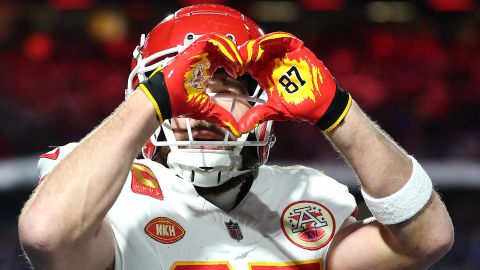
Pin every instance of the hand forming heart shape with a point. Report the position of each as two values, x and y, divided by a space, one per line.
298 85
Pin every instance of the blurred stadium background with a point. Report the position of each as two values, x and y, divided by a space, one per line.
414 66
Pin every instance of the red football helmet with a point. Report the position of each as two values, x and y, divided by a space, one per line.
178 30
159 47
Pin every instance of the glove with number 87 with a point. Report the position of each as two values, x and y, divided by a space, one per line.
178 88
298 85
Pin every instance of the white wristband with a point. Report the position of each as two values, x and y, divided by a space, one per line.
406 202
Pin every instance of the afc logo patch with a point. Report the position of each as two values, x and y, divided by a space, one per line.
308 224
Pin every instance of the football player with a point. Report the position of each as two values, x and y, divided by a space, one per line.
202 197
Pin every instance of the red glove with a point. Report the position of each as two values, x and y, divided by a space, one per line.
298 85
177 89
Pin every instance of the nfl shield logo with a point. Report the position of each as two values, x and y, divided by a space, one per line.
234 230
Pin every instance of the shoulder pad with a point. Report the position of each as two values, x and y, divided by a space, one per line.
144 181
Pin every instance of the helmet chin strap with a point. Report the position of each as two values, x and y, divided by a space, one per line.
205 167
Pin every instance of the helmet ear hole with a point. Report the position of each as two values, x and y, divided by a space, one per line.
232 37
189 39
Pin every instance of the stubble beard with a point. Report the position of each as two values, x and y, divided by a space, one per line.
249 162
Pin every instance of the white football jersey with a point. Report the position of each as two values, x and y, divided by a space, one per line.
287 220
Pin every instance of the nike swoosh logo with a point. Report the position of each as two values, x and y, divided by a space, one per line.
50 155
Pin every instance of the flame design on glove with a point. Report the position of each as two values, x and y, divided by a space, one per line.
178 88
298 85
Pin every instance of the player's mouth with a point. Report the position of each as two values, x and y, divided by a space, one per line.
203 134
206 135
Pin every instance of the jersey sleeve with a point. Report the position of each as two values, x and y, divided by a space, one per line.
49 160
338 196
130 214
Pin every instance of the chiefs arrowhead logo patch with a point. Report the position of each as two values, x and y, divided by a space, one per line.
308 224
164 230
144 182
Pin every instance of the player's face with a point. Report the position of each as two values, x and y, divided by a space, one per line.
220 83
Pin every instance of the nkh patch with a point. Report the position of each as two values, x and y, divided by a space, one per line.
164 230
144 182
234 230
308 224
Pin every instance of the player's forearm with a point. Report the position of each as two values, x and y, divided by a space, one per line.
425 238
74 198
384 168
380 164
